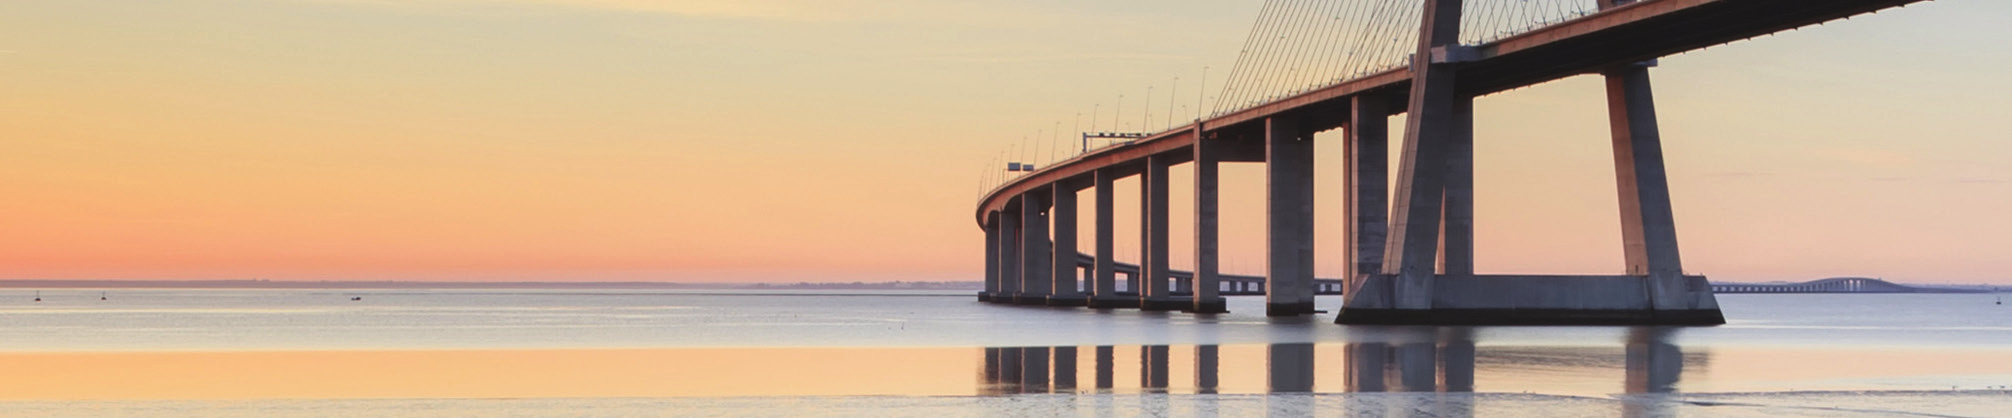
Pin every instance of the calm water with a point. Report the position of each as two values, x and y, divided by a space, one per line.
647 353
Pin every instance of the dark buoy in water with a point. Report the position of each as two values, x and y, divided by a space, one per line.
38 296
101 296
356 298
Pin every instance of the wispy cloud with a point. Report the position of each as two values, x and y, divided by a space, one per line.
728 9
777 10
1868 158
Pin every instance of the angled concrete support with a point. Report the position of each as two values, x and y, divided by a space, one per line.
1411 249
1035 249
1289 286
1366 148
1156 287
1411 252
1648 225
1063 289
1104 280
1207 280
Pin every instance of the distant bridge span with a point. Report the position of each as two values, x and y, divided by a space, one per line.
1409 258
1834 285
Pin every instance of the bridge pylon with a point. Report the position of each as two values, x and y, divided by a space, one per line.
1426 273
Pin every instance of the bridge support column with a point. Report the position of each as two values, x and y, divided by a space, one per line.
1456 224
991 257
1035 249
1648 225
1367 150
1206 283
1104 281
1156 289
1009 253
1288 218
1411 251
1063 288
1405 285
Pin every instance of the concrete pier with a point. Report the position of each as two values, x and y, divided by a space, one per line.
1104 280
1366 201
1427 274
991 258
1412 248
1206 284
1456 225
1035 251
1156 287
1648 225
1062 289
1289 219
1009 254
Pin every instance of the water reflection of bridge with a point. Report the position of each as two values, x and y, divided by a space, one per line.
1834 285
1417 360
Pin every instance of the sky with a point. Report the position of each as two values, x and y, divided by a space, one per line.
810 140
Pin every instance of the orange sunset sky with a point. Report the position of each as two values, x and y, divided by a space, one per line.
814 140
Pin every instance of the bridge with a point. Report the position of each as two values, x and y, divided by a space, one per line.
1835 285
1408 258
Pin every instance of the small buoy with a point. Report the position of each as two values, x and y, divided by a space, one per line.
356 298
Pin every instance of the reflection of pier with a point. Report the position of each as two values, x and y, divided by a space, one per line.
1834 285
1417 360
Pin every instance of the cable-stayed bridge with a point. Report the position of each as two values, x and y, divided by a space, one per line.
1317 65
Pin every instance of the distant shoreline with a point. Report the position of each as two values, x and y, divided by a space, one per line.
394 284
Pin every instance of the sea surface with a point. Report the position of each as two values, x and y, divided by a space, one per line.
221 352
